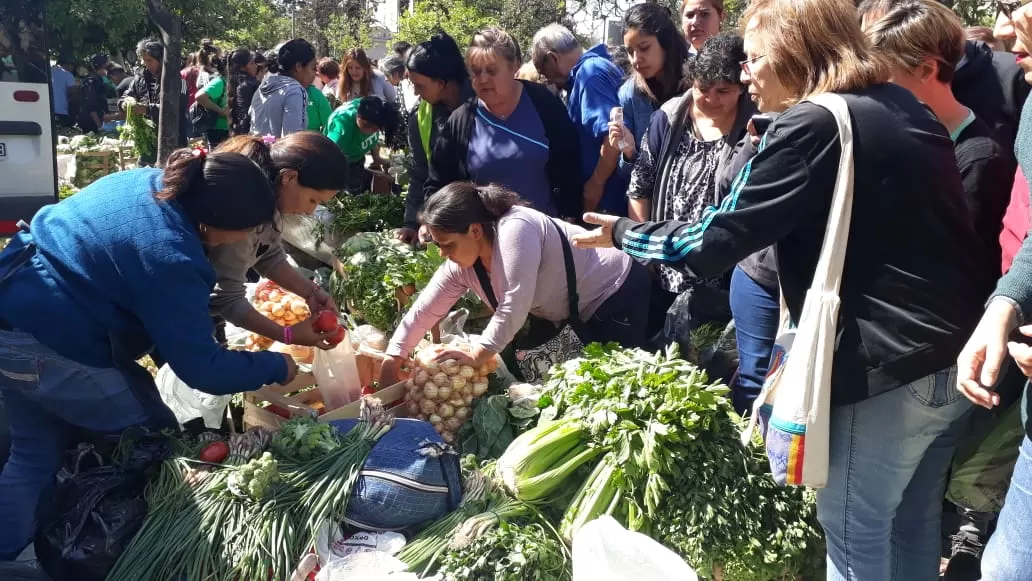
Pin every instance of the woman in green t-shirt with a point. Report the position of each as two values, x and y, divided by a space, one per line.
214 97
355 127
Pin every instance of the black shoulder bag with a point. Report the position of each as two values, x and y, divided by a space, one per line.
546 344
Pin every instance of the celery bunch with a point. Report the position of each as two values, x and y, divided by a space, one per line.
540 460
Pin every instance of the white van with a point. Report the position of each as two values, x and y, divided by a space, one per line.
28 173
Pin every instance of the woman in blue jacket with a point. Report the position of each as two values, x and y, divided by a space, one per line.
97 282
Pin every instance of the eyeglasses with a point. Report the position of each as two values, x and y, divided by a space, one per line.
1007 7
747 63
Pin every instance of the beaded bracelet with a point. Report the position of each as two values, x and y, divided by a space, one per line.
287 336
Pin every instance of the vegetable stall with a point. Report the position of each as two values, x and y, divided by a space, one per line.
457 472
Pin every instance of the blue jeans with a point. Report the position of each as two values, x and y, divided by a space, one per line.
46 397
882 508
756 313
1008 557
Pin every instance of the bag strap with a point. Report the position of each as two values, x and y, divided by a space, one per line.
573 299
827 276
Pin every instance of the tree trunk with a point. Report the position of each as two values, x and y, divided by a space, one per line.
171 28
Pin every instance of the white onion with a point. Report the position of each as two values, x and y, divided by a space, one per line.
435 419
444 392
457 382
416 394
428 406
479 388
409 384
413 408
466 372
422 377
457 401
462 412
445 410
450 366
430 390
441 379
448 437
468 400
452 424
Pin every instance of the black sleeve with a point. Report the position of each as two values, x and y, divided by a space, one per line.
418 169
444 162
788 183
563 152
988 175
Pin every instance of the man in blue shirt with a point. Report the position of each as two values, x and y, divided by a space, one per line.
63 80
591 82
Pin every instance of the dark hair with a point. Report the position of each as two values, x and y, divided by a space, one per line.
385 116
365 86
151 48
719 59
400 48
114 69
438 58
259 59
319 163
391 66
222 189
237 60
270 61
655 20
98 61
459 205
207 56
622 59
328 67
293 53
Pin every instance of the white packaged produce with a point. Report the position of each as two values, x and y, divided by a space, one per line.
605 551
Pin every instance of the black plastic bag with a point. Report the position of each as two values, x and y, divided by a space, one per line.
99 508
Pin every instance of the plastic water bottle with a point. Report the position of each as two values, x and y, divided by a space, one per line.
616 116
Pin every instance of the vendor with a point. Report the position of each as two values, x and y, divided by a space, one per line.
102 278
439 77
306 169
521 252
355 127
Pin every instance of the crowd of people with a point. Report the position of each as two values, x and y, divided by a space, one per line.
710 191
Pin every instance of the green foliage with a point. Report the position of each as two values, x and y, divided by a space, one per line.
510 552
457 17
974 12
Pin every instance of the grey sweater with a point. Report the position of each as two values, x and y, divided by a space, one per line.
279 107
262 251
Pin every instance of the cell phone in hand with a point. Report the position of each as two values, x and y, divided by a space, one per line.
761 123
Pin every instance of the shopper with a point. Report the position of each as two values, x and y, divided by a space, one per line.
438 75
355 127
521 253
62 81
214 97
516 134
279 106
319 109
242 83
684 151
94 107
361 79
104 277
591 82
912 282
701 19
659 55
328 71
306 169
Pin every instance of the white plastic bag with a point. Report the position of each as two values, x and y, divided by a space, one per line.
367 566
336 373
331 544
188 403
605 551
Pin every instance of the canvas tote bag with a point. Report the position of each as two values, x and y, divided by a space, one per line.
794 408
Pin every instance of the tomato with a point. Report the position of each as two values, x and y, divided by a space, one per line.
337 337
214 452
369 389
325 322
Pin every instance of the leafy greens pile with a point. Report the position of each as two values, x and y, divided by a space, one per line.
675 468
362 213
378 269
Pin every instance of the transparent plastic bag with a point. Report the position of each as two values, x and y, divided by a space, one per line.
336 373
605 551
187 403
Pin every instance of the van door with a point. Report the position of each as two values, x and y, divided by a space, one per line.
28 170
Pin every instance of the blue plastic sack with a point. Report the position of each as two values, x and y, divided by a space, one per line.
410 477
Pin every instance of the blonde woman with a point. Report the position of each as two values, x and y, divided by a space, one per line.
912 286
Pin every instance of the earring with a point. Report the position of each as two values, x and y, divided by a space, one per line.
204 228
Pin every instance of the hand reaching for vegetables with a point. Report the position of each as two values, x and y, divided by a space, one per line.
407 235
390 370
599 237
305 333
460 357
320 300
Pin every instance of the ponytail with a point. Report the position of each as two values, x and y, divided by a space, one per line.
319 163
459 205
223 189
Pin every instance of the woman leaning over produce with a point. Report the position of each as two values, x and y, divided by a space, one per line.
102 278
521 251
912 285
515 133
306 169
440 79
355 127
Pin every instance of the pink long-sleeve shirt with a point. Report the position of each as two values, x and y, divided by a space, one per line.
527 276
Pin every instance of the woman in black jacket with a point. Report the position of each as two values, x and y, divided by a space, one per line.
912 285
439 77
515 133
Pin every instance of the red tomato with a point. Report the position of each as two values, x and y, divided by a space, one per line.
325 322
336 337
369 389
215 452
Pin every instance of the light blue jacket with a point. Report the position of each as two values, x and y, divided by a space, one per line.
638 109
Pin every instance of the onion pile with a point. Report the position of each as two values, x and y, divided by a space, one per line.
442 393
279 305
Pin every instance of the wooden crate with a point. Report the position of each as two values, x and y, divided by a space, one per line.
97 163
307 403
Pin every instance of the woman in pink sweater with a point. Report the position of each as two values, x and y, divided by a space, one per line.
521 252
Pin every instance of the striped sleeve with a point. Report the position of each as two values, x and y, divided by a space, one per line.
789 182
